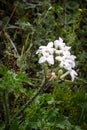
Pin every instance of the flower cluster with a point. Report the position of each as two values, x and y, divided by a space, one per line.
58 51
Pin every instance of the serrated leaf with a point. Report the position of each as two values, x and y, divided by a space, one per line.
23 78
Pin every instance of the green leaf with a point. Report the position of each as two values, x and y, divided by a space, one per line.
24 78
24 25
14 125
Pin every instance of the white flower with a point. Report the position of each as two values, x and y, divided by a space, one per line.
46 58
66 62
66 50
73 74
63 62
71 62
61 53
66 65
59 43
49 48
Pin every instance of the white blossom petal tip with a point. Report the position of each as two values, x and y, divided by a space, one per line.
73 74
50 44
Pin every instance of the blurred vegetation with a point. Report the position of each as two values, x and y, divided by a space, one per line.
24 26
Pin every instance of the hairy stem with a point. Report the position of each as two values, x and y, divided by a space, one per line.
28 103
11 42
6 109
65 20
11 16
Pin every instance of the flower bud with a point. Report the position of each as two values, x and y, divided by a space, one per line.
53 76
39 55
80 10
60 72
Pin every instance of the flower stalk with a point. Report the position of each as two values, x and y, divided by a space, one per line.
6 109
11 42
28 103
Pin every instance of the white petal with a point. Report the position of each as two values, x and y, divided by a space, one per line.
61 64
67 66
60 39
67 48
72 57
50 50
71 62
38 51
56 43
61 45
58 52
42 47
50 59
59 58
73 74
50 44
42 59
66 53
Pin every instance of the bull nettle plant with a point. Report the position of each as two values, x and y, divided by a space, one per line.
55 57
43 96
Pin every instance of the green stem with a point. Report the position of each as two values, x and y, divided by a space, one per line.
28 103
65 20
11 16
82 112
6 109
11 42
